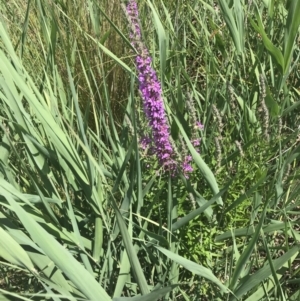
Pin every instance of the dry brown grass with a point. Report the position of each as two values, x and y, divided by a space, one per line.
74 41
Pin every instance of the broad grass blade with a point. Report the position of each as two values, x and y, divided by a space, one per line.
193 267
153 296
234 19
36 255
134 262
11 251
193 214
124 275
242 261
98 239
291 29
12 295
249 282
272 49
163 46
81 278
205 170
275 276
250 231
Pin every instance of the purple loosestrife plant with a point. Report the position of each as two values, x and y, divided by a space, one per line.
151 92
160 142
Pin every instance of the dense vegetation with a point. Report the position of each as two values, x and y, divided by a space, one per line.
91 207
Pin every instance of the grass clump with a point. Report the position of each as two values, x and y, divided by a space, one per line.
100 200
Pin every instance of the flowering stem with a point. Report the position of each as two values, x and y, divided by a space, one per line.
151 92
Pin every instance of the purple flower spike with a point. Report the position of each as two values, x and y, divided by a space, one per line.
151 92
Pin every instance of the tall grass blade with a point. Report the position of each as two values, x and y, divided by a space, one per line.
291 30
131 253
11 251
242 261
193 267
153 296
81 278
251 281
204 169
193 214
235 22
271 48
163 46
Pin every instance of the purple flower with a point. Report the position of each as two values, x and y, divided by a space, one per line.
151 92
199 125
186 166
196 142
145 142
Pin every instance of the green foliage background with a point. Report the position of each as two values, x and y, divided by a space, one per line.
86 214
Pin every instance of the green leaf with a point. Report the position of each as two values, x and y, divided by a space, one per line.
64 260
271 104
98 239
291 30
251 281
243 259
250 230
194 268
133 259
273 50
162 39
11 251
193 214
245 196
204 169
153 296
234 18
